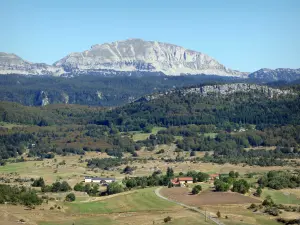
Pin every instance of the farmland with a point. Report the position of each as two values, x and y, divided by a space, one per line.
137 207
206 198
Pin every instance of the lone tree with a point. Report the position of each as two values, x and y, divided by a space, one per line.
258 192
170 172
196 189
218 214
70 197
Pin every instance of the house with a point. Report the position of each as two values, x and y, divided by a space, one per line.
99 180
213 177
182 181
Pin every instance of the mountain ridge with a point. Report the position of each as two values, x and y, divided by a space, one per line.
221 90
269 75
11 63
137 54
129 55
139 57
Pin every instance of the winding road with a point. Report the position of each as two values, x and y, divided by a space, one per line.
215 220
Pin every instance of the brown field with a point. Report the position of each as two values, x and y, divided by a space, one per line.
183 195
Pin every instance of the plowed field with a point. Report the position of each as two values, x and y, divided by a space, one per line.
183 195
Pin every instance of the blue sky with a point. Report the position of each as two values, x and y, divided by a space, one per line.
241 34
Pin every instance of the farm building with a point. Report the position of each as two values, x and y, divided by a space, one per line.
99 180
212 177
182 181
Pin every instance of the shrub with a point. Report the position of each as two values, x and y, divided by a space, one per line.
221 186
70 197
196 189
252 206
268 201
241 186
114 188
258 192
272 211
167 219
38 182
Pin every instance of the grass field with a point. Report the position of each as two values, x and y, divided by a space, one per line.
73 171
139 136
141 200
281 197
212 135
138 207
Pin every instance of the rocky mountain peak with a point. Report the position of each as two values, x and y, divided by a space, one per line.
140 55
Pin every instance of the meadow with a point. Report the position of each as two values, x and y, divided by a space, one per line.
137 207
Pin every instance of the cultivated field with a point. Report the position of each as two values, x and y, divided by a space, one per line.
232 206
183 195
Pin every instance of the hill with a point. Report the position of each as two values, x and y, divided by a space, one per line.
240 103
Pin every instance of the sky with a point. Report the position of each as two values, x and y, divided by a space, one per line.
241 34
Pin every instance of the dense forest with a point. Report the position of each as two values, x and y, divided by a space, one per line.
92 89
176 109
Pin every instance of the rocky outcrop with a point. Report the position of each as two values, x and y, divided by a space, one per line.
42 99
269 75
224 89
13 64
140 55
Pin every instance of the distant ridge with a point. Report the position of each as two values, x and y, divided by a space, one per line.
270 75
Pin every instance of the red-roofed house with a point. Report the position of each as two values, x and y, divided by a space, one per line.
182 181
212 177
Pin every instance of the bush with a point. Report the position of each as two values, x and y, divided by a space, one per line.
38 182
193 153
114 188
160 151
196 189
268 201
221 186
70 197
219 214
167 219
241 186
252 206
258 192
272 211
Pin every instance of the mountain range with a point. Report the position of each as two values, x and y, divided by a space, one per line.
136 55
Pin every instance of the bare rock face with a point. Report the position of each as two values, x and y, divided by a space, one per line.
13 64
140 55
223 90
285 74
